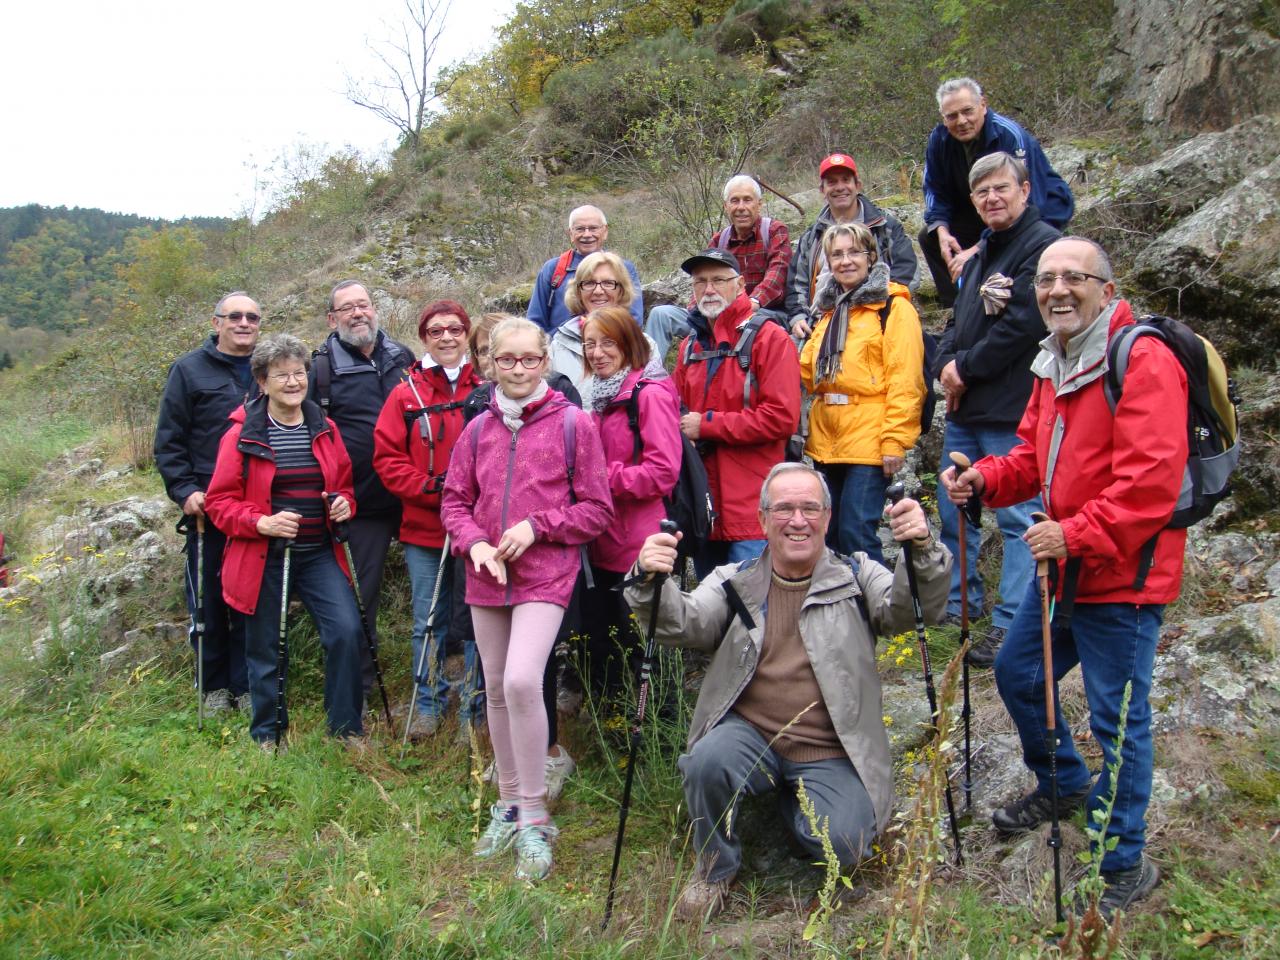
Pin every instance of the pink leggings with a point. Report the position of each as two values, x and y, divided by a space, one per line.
514 644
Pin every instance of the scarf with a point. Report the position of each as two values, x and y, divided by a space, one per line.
875 289
603 391
513 410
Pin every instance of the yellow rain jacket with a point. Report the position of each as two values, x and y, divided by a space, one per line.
872 408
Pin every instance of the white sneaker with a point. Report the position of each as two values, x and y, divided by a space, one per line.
533 851
559 769
500 833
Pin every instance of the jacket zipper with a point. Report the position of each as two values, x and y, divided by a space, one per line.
506 496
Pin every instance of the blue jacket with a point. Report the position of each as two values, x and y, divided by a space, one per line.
946 176
547 308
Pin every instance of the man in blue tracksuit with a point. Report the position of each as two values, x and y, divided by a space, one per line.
967 132
588 231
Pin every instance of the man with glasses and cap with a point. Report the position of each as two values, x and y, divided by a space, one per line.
203 388
738 377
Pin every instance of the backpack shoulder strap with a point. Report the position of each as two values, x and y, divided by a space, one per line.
562 269
885 311
322 370
1118 350
571 464
633 419
475 432
737 608
766 226
722 243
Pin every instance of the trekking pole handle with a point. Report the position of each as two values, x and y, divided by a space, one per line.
669 526
896 491
340 532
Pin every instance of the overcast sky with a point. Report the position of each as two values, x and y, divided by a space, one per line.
163 107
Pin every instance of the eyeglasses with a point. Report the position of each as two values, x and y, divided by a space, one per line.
840 256
364 306
508 362
999 189
718 281
282 378
579 229
480 351
606 285
785 511
454 330
589 346
1072 278
235 316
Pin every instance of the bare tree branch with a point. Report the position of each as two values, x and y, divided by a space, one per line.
403 95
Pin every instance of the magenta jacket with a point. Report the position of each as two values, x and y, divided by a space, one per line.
637 486
523 476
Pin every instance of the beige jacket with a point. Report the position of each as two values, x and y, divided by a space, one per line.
836 636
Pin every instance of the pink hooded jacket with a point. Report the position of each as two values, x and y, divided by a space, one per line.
637 486
523 476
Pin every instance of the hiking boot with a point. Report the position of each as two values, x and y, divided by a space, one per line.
983 650
244 703
424 726
269 746
1036 808
500 833
1127 887
559 769
217 701
702 899
533 851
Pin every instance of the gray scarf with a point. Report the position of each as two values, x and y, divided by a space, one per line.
512 409
875 289
603 391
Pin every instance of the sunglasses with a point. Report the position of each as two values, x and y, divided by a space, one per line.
235 316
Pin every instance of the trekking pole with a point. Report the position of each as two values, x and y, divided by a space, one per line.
197 617
963 463
343 536
642 699
428 643
895 493
281 545
1051 722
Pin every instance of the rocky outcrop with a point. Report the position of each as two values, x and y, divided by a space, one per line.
1195 65
1221 264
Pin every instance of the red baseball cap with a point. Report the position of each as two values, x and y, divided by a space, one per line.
837 161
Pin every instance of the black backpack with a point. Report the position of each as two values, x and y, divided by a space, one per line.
930 357
689 504
1213 440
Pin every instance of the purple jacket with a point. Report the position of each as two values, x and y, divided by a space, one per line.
523 476
637 488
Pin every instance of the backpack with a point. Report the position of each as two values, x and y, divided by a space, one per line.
930 358
571 466
689 503
766 224
1213 439
557 277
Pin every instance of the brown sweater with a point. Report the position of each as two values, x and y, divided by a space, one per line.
783 687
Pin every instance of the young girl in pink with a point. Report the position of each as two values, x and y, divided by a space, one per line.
509 507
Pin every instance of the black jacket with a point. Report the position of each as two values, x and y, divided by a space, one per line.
199 395
993 354
352 395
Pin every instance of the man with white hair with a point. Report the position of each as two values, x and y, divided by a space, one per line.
588 231
762 247
968 132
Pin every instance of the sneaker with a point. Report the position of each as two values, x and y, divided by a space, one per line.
1127 887
217 701
702 899
424 725
559 769
500 833
1035 808
568 702
244 703
983 650
533 851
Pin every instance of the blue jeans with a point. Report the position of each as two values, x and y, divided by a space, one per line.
667 323
1018 569
316 578
720 552
1113 643
433 688
857 502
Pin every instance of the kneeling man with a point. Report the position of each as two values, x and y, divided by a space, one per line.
791 692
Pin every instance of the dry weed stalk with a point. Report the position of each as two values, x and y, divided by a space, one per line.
919 847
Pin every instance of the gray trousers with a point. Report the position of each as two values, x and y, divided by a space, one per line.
733 761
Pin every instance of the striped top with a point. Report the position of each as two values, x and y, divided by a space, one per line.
298 484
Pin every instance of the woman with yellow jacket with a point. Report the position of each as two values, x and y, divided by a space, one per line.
865 374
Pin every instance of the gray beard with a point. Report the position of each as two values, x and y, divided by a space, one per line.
712 311
359 341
